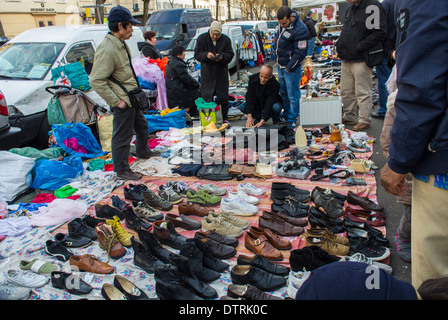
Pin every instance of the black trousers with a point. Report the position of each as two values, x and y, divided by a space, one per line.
127 122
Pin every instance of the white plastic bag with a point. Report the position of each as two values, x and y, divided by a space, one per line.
15 174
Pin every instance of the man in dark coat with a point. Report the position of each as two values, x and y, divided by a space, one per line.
310 24
214 52
181 88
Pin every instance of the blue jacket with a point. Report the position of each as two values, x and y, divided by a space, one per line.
290 44
419 136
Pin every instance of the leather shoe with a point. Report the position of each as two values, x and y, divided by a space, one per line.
277 242
279 226
165 232
108 212
129 175
364 213
259 244
89 263
373 222
129 289
264 264
377 115
318 219
300 222
183 221
193 209
363 202
218 250
344 121
109 242
249 292
360 126
229 241
328 203
265 281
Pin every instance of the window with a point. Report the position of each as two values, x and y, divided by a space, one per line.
41 24
82 52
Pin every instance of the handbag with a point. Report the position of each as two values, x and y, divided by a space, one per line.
209 112
75 72
374 56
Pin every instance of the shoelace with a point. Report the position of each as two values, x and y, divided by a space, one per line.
359 257
230 217
169 191
8 288
118 229
180 186
226 224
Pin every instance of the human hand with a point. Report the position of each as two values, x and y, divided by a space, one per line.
392 181
122 104
259 124
249 121
210 55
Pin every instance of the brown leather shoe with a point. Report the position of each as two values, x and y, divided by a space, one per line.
259 244
183 221
344 121
89 263
193 209
300 222
363 202
361 126
108 241
279 226
277 242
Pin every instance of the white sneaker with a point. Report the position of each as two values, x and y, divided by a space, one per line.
238 206
249 188
217 191
295 281
243 195
24 278
359 257
9 291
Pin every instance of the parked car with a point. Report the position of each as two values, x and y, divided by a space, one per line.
249 25
25 64
272 24
7 133
234 33
177 26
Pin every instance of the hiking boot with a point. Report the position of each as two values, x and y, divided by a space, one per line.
129 175
122 235
153 246
238 207
403 248
179 187
80 227
203 198
157 202
219 225
241 223
328 203
325 233
165 232
332 248
108 241
213 189
145 211
143 258
134 222
168 193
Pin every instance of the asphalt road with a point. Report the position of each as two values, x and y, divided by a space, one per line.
393 210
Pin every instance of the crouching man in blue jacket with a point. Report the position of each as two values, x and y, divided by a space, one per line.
419 136
290 47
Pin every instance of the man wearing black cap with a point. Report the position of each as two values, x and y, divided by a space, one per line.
112 59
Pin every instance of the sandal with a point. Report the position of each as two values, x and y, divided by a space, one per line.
38 266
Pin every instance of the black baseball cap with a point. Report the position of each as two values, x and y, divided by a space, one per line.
120 13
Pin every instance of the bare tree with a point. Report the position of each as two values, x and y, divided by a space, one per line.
145 11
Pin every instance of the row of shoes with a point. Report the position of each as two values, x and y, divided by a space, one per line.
122 289
289 200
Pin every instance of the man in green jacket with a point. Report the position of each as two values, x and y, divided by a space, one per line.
112 59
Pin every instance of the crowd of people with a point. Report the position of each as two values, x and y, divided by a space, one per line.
414 139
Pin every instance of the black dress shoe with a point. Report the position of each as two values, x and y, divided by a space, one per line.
209 261
263 263
349 223
109 292
228 241
130 290
377 115
317 218
263 280
70 282
249 292
217 249
291 208
170 284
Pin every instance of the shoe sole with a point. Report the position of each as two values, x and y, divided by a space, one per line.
238 213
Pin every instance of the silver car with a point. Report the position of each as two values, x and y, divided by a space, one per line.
7 133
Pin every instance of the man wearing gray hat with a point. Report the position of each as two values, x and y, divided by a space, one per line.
113 60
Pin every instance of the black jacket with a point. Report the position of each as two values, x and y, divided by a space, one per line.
214 74
310 25
181 88
260 98
149 50
356 38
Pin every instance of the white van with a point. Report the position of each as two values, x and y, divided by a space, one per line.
25 64
249 25
234 33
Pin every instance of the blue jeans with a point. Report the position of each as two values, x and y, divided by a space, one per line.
276 111
311 44
290 92
383 73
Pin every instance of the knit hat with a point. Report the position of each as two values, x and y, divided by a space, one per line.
350 280
216 26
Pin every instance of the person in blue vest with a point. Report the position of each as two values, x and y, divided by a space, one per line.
419 135
290 47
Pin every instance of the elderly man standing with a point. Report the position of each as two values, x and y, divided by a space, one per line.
214 52
361 33
113 59
290 47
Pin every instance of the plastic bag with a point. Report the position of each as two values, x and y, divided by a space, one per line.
209 112
175 119
51 174
75 72
105 130
15 174
83 136
54 111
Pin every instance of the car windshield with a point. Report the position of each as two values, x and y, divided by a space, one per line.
272 24
191 45
28 60
165 31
